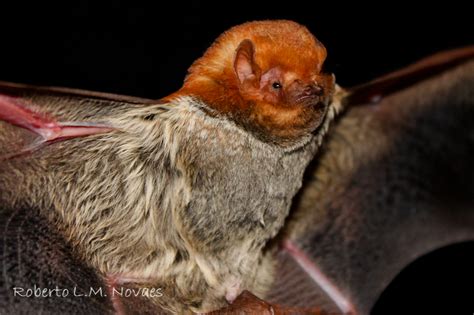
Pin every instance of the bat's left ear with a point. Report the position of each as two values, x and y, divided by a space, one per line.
244 64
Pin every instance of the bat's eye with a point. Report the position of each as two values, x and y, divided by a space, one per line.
276 85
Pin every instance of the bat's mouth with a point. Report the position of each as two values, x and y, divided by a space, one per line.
312 101
322 108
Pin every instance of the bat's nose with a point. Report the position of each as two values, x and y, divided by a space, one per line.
313 89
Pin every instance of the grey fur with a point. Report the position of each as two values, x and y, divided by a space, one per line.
174 196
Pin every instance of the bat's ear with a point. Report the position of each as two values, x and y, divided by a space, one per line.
244 63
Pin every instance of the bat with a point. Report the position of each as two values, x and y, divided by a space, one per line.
344 220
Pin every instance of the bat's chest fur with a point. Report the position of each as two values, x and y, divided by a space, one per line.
185 201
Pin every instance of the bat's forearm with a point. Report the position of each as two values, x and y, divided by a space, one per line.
15 111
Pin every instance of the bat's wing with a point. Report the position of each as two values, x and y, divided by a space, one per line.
34 257
395 181
28 119
25 90
375 90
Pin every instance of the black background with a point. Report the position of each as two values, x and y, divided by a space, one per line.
144 49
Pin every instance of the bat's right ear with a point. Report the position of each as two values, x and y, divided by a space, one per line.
244 64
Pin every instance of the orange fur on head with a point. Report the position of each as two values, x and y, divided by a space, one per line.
266 76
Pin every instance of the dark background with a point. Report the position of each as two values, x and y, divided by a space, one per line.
144 49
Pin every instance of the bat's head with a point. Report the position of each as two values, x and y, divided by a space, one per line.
267 77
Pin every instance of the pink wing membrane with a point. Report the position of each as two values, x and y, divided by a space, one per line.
14 111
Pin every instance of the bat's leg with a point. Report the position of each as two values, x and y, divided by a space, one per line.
247 303
14 111
319 277
113 283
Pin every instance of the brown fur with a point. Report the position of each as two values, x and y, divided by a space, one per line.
284 46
